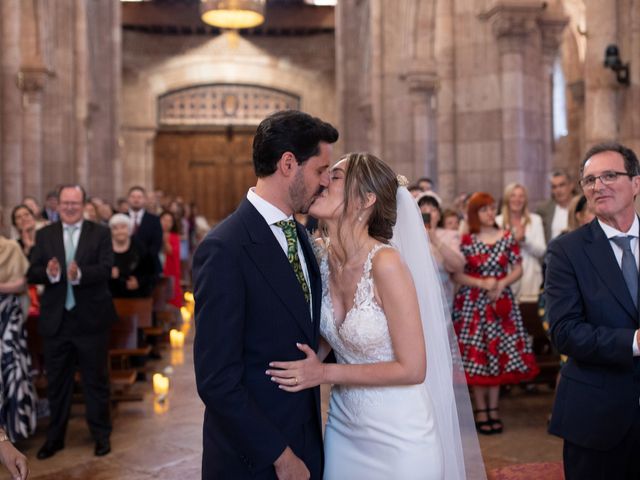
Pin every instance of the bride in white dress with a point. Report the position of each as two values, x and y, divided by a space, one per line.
395 409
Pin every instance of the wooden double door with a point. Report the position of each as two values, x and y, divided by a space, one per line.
214 169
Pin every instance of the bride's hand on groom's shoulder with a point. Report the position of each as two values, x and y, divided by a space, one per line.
298 375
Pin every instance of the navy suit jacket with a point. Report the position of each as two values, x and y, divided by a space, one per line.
250 310
94 255
593 320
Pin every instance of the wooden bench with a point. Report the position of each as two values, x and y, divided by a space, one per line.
141 307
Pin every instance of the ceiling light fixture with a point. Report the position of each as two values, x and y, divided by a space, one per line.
232 14
322 3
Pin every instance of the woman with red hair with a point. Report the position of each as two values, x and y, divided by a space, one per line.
493 342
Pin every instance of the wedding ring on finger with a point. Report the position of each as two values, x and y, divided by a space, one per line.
295 381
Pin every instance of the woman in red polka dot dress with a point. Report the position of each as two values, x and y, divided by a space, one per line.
493 342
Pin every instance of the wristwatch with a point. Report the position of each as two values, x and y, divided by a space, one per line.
3 436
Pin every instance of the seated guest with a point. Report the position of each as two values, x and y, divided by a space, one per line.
445 244
50 211
24 221
33 205
133 272
122 205
105 212
171 254
450 220
91 211
17 395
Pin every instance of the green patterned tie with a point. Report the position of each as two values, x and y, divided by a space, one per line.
289 229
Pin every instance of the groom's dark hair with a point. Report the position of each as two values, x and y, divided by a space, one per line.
289 131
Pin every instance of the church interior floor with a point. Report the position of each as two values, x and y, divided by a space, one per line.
152 441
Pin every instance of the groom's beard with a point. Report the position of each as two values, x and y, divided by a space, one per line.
301 200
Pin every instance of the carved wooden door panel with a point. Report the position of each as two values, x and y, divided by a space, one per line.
212 169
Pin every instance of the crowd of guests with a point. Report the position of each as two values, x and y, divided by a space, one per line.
64 264
491 258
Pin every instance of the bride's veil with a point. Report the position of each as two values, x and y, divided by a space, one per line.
445 381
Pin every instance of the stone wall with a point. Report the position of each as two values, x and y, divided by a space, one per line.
59 97
154 65
460 90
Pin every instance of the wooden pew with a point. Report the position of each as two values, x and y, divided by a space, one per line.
133 313
141 307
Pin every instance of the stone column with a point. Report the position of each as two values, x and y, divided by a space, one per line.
116 140
514 26
422 88
444 57
31 81
551 24
601 87
10 106
82 108
376 101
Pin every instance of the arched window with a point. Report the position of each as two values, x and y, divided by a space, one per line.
559 101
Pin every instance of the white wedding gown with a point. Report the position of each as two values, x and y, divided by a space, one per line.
374 432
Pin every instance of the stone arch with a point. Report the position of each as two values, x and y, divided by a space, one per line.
222 104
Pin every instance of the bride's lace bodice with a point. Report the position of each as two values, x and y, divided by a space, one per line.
363 336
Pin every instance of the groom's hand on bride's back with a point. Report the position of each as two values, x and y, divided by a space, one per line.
289 467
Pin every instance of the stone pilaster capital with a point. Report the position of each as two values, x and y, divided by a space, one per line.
421 79
551 29
512 21
32 79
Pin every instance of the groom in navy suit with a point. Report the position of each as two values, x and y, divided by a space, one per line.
592 299
258 293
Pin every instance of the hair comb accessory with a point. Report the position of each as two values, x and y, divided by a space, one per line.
402 180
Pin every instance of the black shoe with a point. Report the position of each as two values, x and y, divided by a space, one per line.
102 447
49 449
484 427
496 423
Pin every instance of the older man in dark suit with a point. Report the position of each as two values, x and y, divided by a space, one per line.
592 294
258 293
73 259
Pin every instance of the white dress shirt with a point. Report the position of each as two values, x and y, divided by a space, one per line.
272 215
136 217
560 221
611 232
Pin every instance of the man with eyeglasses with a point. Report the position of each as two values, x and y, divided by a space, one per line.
592 298
555 212
72 258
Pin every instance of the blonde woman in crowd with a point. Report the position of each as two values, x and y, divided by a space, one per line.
528 231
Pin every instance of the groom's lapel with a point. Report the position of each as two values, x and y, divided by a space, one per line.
314 276
269 258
